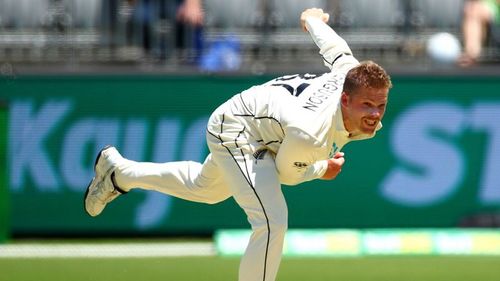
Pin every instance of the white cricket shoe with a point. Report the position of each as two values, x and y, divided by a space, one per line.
102 189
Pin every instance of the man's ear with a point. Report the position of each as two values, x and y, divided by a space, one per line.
344 99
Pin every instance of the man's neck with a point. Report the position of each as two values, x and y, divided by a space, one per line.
346 122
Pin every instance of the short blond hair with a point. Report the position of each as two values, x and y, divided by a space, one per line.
367 74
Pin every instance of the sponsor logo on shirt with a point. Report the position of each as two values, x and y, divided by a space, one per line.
300 165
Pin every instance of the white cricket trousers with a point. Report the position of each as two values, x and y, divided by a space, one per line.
231 169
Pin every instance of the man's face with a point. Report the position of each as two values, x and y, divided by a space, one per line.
363 110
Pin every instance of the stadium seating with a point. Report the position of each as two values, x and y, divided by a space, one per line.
84 14
445 14
285 13
369 13
227 14
23 13
379 29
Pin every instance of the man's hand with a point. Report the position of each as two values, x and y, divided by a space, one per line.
313 12
191 12
334 166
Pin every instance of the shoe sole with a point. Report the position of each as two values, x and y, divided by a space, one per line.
90 183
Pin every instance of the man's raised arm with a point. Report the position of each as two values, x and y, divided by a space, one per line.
334 50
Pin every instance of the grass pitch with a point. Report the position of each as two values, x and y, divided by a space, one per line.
447 268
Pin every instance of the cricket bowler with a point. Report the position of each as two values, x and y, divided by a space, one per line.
288 131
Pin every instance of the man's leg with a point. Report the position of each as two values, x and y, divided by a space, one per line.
183 179
477 15
188 180
255 186
269 220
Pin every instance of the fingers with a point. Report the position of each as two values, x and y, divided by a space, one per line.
313 12
190 14
334 168
339 161
325 17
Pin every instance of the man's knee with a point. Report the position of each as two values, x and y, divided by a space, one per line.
279 228
273 226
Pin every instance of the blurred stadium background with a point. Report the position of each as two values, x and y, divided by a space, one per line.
419 202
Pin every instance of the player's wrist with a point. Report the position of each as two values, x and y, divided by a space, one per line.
311 20
330 170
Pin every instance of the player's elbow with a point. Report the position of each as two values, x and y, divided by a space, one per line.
292 174
290 179
290 182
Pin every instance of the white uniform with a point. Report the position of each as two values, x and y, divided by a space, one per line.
281 132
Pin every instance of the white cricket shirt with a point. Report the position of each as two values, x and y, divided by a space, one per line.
298 117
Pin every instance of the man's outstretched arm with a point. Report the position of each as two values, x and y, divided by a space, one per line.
334 50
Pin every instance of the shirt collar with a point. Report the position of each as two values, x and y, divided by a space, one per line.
339 122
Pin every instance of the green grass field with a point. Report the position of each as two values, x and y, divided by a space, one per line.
449 268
